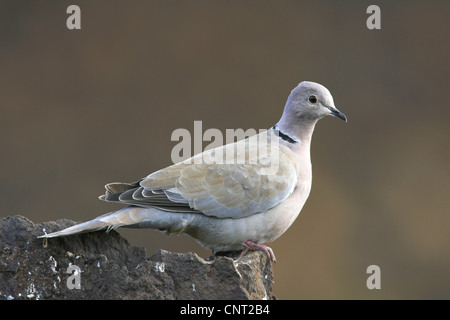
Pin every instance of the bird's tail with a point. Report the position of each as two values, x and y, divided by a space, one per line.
126 217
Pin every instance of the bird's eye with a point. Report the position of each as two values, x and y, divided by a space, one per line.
312 98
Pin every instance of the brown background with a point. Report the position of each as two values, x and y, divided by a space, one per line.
83 108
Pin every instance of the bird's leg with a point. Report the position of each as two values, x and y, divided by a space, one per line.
243 252
248 245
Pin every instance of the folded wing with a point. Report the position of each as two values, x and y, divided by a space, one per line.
235 188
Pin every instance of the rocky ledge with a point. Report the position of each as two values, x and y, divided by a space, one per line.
102 265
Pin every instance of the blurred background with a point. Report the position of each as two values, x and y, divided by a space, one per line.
81 108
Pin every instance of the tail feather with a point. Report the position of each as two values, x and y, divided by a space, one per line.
118 188
88 226
133 217
108 222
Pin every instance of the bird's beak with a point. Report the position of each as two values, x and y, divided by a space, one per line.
335 112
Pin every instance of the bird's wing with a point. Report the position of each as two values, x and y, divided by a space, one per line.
247 181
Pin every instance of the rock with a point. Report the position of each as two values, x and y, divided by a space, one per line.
105 266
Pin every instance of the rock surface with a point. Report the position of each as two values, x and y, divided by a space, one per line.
105 266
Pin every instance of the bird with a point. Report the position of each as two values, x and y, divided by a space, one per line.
228 205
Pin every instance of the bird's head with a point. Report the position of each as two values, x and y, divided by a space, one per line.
312 101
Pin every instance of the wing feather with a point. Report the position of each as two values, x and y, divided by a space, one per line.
233 190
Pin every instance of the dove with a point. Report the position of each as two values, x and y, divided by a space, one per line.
228 206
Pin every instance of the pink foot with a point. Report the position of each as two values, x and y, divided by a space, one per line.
259 247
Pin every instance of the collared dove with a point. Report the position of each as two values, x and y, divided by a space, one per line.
229 205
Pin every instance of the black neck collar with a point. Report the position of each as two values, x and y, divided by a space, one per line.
283 136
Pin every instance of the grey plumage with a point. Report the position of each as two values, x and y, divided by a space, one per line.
226 206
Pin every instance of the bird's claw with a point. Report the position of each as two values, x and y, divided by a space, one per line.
249 245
